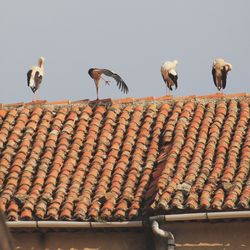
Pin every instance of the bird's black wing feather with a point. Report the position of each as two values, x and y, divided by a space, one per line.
28 76
214 77
174 78
38 80
224 77
120 83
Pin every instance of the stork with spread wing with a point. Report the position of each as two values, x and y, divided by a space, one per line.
96 74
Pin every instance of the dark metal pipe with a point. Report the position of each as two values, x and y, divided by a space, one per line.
164 240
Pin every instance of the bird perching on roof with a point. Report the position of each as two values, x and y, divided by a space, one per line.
35 75
219 71
169 74
96 74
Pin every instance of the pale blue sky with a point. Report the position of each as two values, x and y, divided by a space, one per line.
132 38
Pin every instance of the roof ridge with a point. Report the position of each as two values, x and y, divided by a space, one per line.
127 100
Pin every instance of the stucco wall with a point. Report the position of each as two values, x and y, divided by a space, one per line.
214 236
189 236
80 240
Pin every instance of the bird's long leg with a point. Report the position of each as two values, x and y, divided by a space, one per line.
96 85
34 97
37 95
222 90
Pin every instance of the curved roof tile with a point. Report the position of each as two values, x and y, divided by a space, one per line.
124 159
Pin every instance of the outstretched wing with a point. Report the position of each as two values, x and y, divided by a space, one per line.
224 77
120 83
28 77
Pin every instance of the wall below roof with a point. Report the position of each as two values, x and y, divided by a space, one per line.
188 235
210 235
84 240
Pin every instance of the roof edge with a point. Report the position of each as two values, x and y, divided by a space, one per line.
130 224
132 100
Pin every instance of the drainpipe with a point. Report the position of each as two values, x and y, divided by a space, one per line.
161 235
207 216
73 224
163 240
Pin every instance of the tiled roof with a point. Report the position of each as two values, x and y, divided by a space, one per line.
124 159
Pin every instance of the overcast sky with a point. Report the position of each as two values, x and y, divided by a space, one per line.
132 38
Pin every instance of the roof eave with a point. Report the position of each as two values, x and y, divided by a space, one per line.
130 224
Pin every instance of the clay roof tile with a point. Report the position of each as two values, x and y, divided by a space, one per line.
120 159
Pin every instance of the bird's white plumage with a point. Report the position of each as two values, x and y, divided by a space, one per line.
169 65
32 78
220 70
169 74
220 62
35 75
172 72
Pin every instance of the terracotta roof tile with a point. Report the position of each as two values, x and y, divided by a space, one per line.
124 159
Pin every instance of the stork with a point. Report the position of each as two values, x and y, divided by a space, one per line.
169 74
219 71
35 75
96 74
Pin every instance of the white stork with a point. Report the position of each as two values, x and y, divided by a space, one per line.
96 74
169 74
35 75
219 72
